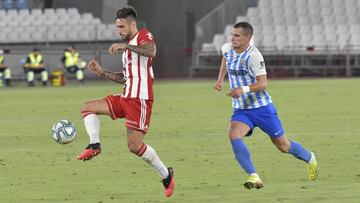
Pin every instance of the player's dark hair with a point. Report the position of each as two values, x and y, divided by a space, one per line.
248 29
126 12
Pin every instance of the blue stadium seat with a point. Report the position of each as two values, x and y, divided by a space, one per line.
7 4
22 4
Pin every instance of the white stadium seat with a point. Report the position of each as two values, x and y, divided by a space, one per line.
227 33
279 20
281 30
326 11
208 47
353 20
264 4
281 41
36 12
352 10
289 4
241 19
278 11
276 3
325 3
338 3
341 20
218 40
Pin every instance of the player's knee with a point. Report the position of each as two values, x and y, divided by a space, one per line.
86 109
283 147
134 147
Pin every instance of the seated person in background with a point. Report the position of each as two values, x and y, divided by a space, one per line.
5 73
34 64
73 63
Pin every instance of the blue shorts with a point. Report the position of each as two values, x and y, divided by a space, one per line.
265 118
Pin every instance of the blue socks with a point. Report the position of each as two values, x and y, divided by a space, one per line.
298 151
242 155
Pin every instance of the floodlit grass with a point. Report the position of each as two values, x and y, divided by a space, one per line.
189 131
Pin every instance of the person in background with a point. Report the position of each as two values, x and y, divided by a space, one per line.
34 64
73 63
5 73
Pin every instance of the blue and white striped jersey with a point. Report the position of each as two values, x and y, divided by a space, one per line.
242 71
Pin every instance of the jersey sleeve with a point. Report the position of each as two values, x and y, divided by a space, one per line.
145 36
226 48
257 64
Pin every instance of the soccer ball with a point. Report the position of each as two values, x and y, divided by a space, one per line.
63 132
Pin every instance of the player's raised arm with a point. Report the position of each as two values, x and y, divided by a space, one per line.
220 81
147 49
114 76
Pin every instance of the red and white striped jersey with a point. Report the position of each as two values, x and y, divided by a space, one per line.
138 69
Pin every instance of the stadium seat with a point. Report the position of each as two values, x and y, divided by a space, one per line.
264 4
355 29
317 29
280 30
351 10
278 11
87 33
341 19
241 19
301 4
319 42
342 29
277 3
328 20
208 47
326 11
279 20
289 4
73 11
302 11
353 19
265 12
281 41
266 20
269 41
350 3
218 41
22 4
304 20
325 3
8 4
227 33
36 12
338 3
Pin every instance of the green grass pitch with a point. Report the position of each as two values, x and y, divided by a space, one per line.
189 132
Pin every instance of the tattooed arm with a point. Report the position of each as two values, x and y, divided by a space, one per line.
114 76
146 49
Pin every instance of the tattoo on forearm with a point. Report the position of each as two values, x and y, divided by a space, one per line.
116 77
145 49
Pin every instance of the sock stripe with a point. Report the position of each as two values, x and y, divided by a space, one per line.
142 149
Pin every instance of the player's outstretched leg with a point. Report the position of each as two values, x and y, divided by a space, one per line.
242 155
298 151
92 125
149 155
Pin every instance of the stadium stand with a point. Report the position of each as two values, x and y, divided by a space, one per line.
300 28
52 25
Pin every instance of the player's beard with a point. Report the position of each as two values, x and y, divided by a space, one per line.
125 37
